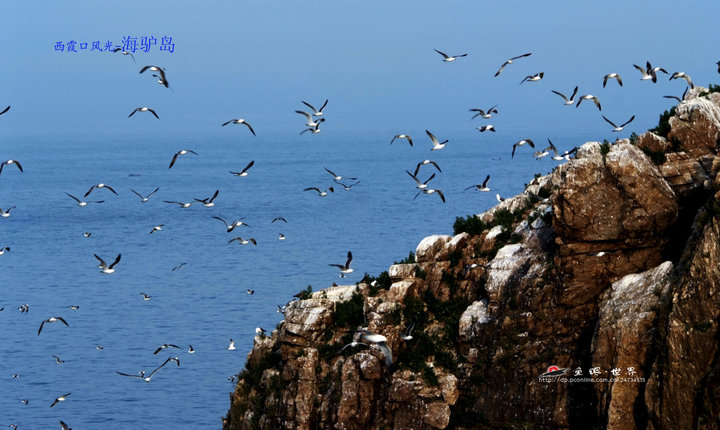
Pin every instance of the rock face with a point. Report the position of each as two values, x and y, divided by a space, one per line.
614 279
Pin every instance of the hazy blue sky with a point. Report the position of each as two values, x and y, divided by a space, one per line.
374 60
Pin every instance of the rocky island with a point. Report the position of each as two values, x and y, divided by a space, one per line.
590 300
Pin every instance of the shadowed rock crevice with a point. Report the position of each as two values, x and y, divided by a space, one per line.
617 270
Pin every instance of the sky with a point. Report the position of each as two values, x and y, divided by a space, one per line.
374 60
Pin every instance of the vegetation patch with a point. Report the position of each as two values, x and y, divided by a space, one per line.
350 312
470 224
410 259
657 157
663 127
305 294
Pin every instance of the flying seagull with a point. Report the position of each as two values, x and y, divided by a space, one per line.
421 185
337 177
612 76
52 320
481 187
144 198
431 191
244 172
230 227
316 112
449 58
510 61
147 378
156 228
144 109
649 72
231 347
165 346
279 219
177 154
182 204
58 360
242 241
683 75
15 162
82 203
378 340
64 426
485 114
533 78
486 128
568 101
125 53
347 187
104 268
402 136
408 332
620 128
60 399
424 162
313 130
6 213
209 202
319 191
310 122
145 296
98 186
178 267
160 72
436 144
679 99
344 269
590 97
240 121
521 143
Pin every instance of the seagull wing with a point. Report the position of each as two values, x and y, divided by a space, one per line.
5 110
224 222
154 191
432 138
309 117
521 56
133 112
442 196
63 321
228 122
610 122
250 127
436 166
429 179
117 260
110 188
330 171
628 121
137 194
574 93
102 262
73 197
42 324
89 191
386 352
323 106
349 259
313 189
172 162
561 95
310 106
152 111
414 177
487 178
441 53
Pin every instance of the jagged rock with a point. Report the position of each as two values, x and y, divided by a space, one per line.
402 271
305 323
697 123
623 340
652 142
429 247
475 315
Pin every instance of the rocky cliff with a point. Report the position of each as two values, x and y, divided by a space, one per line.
608 268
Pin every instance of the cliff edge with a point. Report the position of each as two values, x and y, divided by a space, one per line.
590 300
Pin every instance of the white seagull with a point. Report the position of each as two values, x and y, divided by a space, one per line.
424 162
436 144
230 227
310 122
242 241
521 143
209 202
319 191
160 72
431 191
449 58
533 78
125 53
165 346
485 114
231 347
98 186
104 268
510 61
486 128
481 187
60 399
147 378
52 320
612 76
15 162
316 112
683 75
344 269
2 251
240 121
590 97
421 185
145 296
82 203
6 213
408 333
568 101
337 177
402 136
182 204
156 228
620 128
244 172
144 109
179 153
144 198
380 341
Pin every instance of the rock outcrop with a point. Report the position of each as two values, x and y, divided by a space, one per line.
591 300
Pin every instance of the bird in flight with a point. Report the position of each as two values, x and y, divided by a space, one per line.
320 192
244 172
98 186
82 203
521 143
485 114
231 227
60 399
316 112
449 58
240 121
160 71
510 61
481 187
436 144
402 136
683 75
568 101
209 202
125 53
144 109
533 78
337 177
52 320
104 268
15 162
589 97
144 198
344 268
179 153
431 191
619 128
612 76
424 162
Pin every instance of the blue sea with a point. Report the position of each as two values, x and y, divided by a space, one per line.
204 304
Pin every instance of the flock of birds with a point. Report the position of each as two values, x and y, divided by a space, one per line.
313 120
